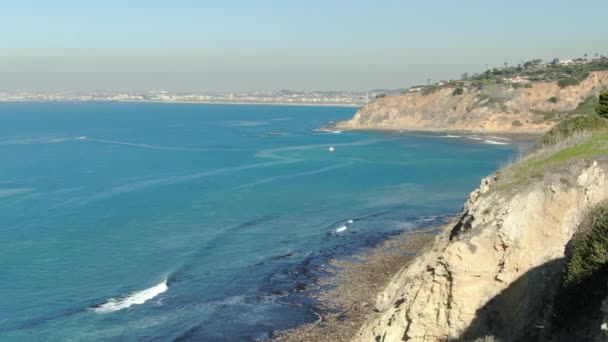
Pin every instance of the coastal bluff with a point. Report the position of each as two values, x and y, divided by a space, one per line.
499 271
526 108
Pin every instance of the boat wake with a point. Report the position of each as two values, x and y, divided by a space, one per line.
134 298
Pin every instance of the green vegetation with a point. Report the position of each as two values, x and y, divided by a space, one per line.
589 250
553 99
586 107
428 90
487 101
381 96
569 128
551 115
516 123
574 138
573 80
567 73
583 285
602 106
458 91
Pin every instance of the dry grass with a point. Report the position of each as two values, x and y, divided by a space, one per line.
573 139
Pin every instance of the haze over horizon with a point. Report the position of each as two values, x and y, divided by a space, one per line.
317 45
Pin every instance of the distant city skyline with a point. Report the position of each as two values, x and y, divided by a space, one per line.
68 45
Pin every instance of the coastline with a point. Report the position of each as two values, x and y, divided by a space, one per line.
337 126
512 136
346 298
353 105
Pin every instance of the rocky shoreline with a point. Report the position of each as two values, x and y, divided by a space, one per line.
346 298
525 260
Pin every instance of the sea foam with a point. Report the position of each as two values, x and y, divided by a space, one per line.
498 138
492 142
341 229
134 298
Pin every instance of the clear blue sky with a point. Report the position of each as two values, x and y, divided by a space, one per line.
264 45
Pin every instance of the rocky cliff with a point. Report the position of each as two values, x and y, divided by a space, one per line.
496 108
495 272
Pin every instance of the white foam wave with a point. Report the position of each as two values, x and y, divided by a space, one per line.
244 123
319 317
148 146
498 138
336 132
30 141
351 221
475 138
295 175
81 138
134 298
267 154
144 184
341 229
492 142
450 136
272 153
14 191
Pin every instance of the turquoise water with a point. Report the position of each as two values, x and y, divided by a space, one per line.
132 222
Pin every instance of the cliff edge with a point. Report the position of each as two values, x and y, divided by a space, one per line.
500 270
535 107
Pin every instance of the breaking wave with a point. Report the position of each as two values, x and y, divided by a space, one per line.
498 138
341 229
134 298
492 142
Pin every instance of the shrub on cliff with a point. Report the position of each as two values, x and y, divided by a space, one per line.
578 301
589 250
569 127
573 80
458 91
602 106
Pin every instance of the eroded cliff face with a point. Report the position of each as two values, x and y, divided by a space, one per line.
497 108
488 274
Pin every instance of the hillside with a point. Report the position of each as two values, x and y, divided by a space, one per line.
529 107
526 260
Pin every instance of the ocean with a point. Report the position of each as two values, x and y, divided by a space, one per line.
159 222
